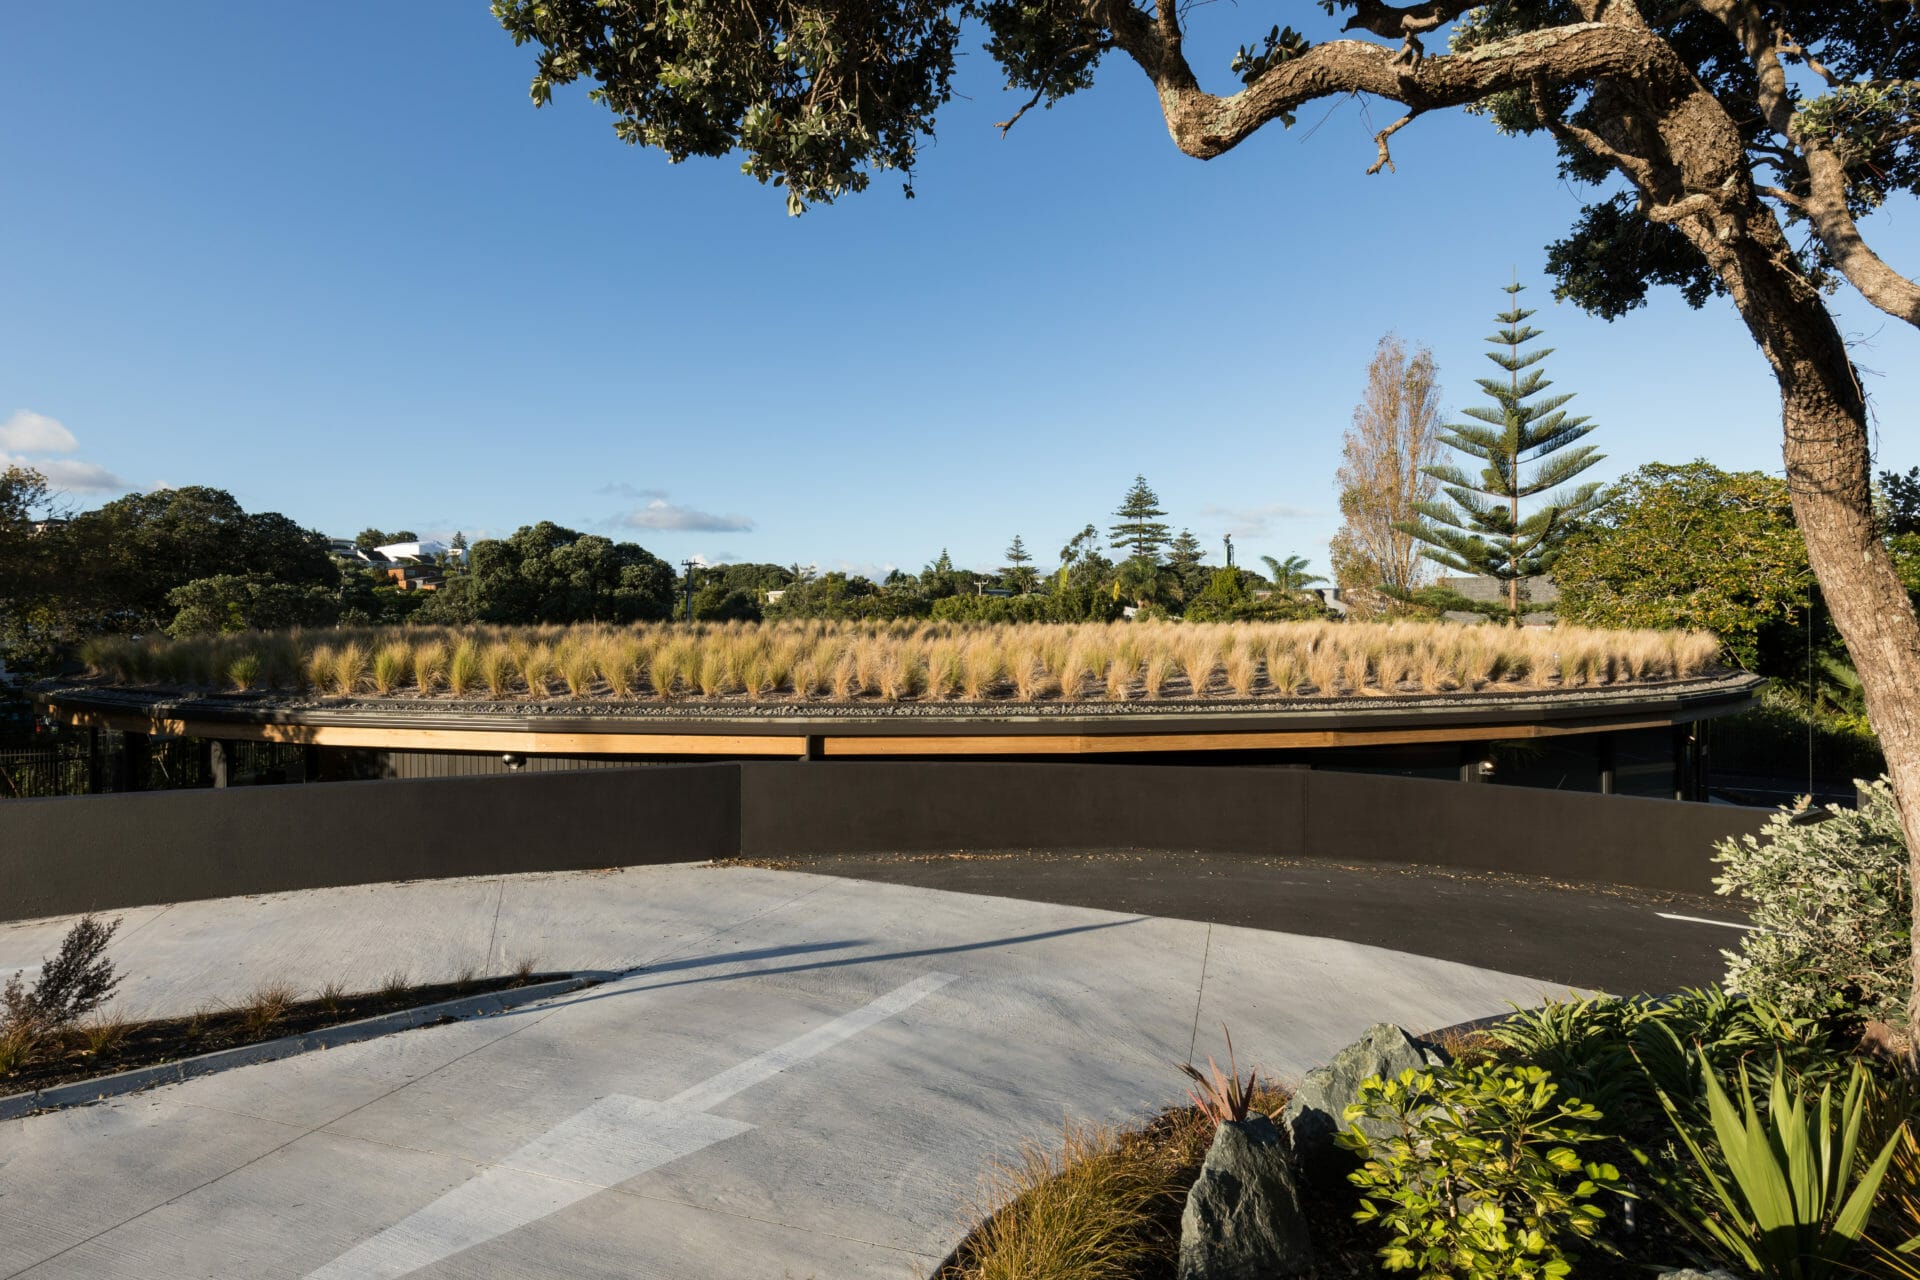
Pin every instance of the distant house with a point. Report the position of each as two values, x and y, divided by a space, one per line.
1538 589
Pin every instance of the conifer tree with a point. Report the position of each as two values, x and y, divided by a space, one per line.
1185 552
1019 572
1527 442
1140 532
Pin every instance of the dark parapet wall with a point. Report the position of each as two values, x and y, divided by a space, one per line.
85 853
100 852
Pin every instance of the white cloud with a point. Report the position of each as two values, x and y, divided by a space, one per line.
30 432
625 490
1256 521
79 477
658 513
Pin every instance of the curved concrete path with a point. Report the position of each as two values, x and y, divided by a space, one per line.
805 1076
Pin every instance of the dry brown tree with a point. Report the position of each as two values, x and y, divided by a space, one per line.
1395 433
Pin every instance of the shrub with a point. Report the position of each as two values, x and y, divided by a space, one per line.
75 982
243 673
1793 1202
1481 1177
1832 906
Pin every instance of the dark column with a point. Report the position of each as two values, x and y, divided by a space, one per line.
219 760
810 747
96 762
1471 754
135 748
1603 747
309 762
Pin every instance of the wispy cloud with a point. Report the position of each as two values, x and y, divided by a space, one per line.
624 490
26 433
1256 521
658 513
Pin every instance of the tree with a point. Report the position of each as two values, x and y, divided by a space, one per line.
1695 546
1290 576
369 539
1712 127
242 602
1479 529
1903 501
545 573
1139 531
1394 437
1019 574
1185 557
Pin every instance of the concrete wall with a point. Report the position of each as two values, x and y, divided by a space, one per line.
99 852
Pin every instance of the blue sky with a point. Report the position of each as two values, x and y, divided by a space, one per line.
331 259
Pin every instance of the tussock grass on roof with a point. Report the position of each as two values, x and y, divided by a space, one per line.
909 661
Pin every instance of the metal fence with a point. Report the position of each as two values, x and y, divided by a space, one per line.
30 773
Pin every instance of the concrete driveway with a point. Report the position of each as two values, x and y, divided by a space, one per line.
806 1076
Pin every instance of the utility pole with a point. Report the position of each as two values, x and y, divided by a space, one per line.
1229 541
688 566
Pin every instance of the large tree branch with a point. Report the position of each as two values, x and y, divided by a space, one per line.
1825 204
1204 125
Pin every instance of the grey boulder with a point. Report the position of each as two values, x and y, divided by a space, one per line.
1243 1218
1318 1108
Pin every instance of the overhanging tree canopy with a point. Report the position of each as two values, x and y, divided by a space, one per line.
1712 128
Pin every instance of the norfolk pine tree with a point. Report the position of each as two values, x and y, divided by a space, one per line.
1139 532
1479 529
1019 572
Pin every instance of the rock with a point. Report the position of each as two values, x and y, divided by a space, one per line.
1318 1107
1243 1218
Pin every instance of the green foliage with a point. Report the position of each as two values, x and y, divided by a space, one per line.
840 596
1832 903
250 602
1694 546
1019 574
1054 607
1290 574
1900 496
816 97
1482 1176
1787 1199
1479 529
545 573
1281 45
1623 1056
1772 738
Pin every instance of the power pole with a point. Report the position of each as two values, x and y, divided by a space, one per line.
688 566
1229 541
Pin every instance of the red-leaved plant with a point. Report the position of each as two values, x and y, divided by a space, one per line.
1221 1098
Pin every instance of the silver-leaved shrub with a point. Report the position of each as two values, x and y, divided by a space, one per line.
1832 904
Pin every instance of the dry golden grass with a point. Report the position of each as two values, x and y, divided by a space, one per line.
1103 1205
908 661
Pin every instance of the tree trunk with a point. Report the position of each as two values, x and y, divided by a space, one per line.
1829 475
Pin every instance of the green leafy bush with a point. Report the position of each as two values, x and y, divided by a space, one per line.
1832 902
1481 1178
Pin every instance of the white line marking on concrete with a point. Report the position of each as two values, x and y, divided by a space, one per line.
1724 924
764 1066
615 1139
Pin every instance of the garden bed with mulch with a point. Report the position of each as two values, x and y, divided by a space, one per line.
99 1046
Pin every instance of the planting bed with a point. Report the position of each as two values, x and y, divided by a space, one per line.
99 1048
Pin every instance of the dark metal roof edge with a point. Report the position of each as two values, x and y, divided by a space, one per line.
1679 702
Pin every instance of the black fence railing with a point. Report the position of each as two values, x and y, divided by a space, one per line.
32 773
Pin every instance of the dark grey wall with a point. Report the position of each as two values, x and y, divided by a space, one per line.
794 810
82 853
98 852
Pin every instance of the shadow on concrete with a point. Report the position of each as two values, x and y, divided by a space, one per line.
626 983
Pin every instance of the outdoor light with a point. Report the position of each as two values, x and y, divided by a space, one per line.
513 762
